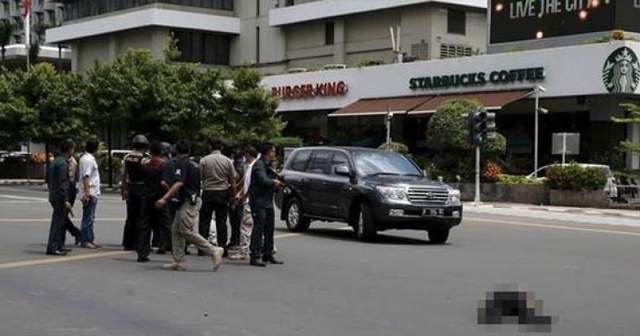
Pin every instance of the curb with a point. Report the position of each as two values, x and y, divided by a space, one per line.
588 211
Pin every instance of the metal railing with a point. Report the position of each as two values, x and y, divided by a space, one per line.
627 194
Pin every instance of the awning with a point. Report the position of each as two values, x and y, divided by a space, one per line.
490 100
368 107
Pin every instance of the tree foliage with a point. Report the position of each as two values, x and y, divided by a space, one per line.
634 118
249 108
140 94
448 139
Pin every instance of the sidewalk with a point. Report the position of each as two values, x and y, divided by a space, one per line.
574 210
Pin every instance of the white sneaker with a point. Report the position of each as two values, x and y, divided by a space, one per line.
174 266
216 256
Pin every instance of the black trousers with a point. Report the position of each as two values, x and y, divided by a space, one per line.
68 225
263 230
215 201
134 208
151 218
235 220
57 228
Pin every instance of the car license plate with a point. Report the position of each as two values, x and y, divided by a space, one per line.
432 212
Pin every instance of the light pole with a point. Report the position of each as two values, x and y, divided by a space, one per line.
388 124
537 90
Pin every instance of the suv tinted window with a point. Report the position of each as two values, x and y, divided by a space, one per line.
319 163
299 161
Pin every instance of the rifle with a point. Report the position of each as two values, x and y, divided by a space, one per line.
286 185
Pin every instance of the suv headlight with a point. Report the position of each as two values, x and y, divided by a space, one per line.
395 194
454 197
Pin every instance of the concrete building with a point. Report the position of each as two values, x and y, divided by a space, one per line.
44 14
274 35
585 87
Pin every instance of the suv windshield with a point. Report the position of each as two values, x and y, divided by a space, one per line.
384 163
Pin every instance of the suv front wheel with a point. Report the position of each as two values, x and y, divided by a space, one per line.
294 220
365 226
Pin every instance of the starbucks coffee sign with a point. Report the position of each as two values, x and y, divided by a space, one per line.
621 71
501 77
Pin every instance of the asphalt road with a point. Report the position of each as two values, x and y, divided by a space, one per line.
587 274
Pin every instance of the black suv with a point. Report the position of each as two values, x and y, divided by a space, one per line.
371 190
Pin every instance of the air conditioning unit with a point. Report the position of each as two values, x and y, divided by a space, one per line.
334 67
297 70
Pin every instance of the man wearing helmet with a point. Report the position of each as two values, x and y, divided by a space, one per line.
132 183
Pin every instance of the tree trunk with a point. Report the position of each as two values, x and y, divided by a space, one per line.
3 52
47 162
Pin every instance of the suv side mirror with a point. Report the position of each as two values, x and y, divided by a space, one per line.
342 170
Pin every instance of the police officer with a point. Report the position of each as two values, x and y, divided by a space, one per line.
152 218
132 189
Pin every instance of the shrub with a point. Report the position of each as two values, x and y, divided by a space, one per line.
396 147
575 177
517 179
491 172
281 143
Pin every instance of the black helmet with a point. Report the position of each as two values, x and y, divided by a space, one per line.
140 140
167 149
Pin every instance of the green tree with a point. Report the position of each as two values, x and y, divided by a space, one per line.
248 110
57 102
192 109
16 120
634 118
448 139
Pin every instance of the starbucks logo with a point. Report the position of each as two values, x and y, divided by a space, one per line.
621 72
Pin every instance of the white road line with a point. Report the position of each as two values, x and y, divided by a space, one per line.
555 227
39 199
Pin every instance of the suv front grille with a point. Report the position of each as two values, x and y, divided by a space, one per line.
428 196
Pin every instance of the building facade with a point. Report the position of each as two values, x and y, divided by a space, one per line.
585 86
44 14
275 35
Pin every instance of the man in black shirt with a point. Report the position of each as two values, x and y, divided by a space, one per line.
261 190
186 189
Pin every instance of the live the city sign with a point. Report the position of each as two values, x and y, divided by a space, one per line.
477 79
310 90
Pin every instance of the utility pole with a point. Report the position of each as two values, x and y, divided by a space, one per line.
388 124
481 126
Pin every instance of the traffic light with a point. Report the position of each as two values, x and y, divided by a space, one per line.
482 126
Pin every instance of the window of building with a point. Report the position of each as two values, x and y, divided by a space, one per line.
289 3
203 47
257 45
329 33
457 22
454 50
420 51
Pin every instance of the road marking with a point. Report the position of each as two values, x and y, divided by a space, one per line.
61 259
547 226
55 260
48 220
25 198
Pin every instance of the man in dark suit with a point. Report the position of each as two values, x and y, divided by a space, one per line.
263 183
59 197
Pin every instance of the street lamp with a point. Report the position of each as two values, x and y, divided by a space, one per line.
537 90
388 124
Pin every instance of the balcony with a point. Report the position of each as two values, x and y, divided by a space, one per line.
324 9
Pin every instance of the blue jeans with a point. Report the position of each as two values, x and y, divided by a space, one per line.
88 217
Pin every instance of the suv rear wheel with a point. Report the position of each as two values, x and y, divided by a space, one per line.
439 235
294 220
365 226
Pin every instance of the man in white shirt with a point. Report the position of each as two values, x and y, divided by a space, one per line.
88 192
242 199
